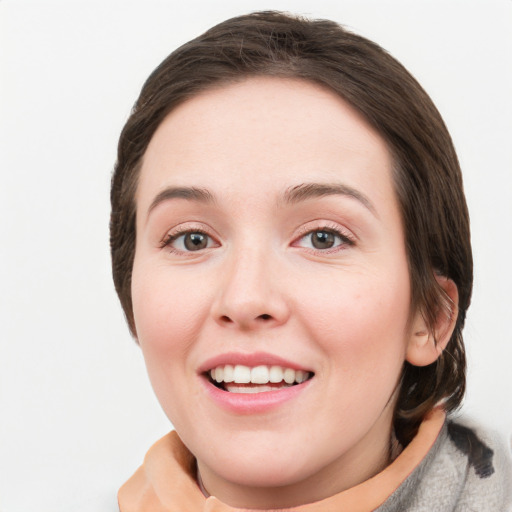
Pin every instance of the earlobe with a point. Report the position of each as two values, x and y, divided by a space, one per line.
422 348
426 345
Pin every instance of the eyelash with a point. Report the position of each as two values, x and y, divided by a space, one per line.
345 239
180 232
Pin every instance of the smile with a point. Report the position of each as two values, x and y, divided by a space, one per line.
256 379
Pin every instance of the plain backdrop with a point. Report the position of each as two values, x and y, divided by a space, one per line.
77 413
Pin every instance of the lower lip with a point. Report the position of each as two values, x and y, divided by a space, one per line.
253 403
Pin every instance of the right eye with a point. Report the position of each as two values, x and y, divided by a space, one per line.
189 241
323 239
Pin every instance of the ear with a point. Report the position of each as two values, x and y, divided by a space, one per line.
424 346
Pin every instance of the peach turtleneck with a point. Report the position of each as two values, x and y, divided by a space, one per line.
166 482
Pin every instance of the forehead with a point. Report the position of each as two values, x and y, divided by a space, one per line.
264 131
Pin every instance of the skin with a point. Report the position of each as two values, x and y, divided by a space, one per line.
261 286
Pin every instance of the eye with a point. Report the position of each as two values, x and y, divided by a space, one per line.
323 239
189 241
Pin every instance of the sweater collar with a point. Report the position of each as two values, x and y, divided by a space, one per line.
166 481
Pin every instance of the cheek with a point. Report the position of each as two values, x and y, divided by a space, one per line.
169 310
168 314
360 320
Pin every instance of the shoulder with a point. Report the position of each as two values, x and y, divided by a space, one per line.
475 464
467 469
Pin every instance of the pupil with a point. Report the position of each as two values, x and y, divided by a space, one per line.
323 240
195 241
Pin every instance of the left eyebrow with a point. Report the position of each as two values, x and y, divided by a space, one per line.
200 195
306 191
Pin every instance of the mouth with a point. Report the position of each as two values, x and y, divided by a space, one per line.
256 379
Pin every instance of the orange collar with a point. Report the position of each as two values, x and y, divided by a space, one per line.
166 481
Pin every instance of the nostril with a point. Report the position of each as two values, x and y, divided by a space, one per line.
247 321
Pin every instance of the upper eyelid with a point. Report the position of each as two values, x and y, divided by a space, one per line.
312 226
303 230
344 240
182 229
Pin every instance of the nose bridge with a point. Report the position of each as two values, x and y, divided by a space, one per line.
250 297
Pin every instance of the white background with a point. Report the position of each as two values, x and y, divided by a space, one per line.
76 410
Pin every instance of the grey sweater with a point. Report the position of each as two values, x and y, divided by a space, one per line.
466 470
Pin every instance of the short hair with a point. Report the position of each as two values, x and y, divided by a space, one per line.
426 173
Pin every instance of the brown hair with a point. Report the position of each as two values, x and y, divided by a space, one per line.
427 176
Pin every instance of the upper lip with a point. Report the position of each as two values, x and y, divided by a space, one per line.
253 359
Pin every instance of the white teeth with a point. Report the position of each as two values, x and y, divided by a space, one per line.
276 374
262 374
259 375
289 376
233 388
229 373
242 374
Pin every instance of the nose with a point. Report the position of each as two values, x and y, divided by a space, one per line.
251 296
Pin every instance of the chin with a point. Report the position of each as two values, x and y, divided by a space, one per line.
261 464
264 474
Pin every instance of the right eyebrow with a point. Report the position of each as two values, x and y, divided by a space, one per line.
200 195
306 191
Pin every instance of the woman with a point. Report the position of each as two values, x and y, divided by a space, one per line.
290 244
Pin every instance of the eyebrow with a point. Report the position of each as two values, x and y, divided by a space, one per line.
293 195
306 191
200 195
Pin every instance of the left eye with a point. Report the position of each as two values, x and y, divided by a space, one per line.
322 239
191 241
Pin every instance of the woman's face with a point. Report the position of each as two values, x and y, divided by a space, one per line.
270 247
